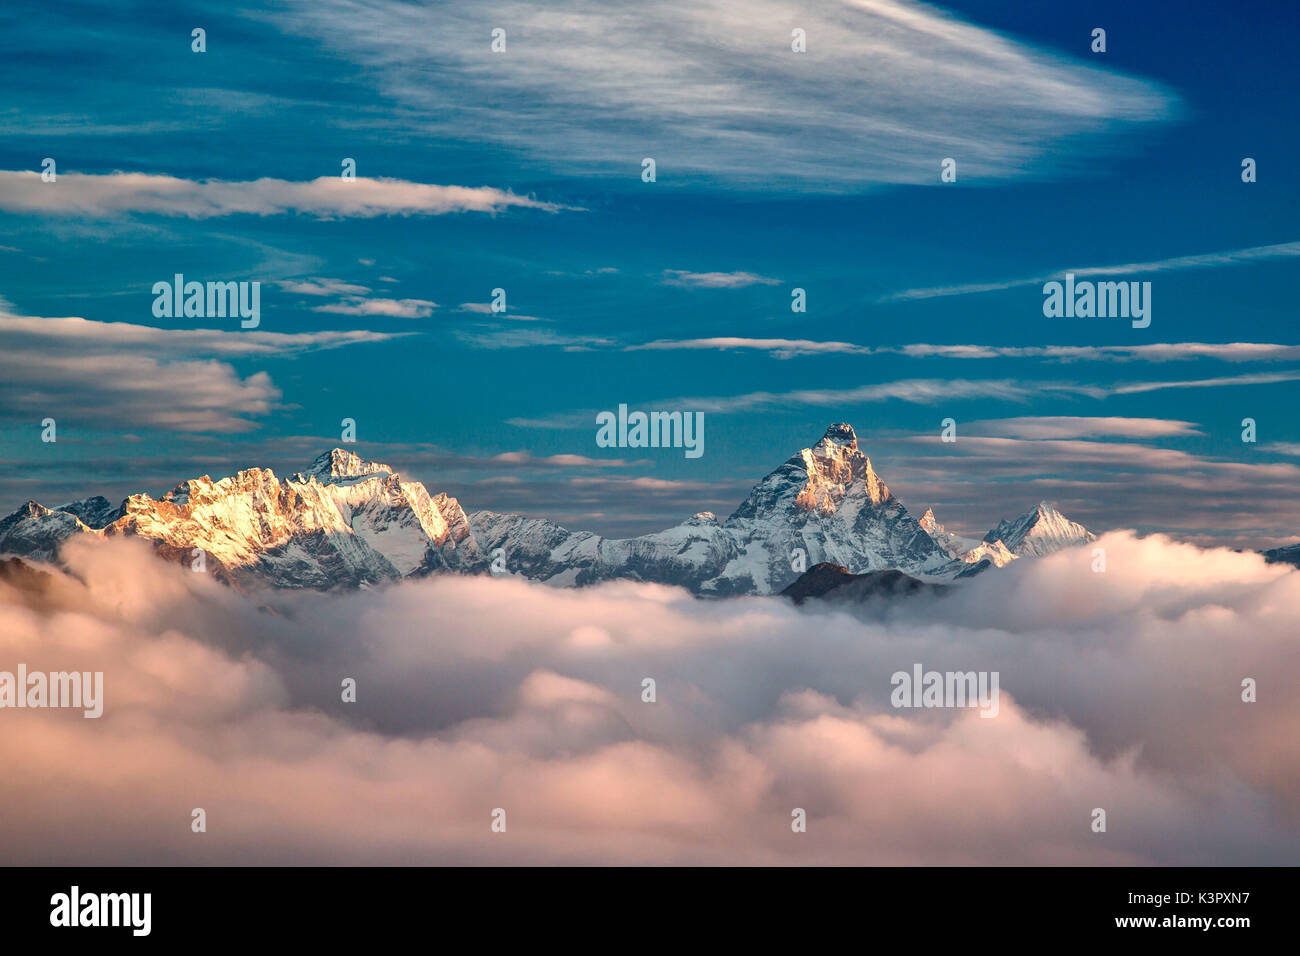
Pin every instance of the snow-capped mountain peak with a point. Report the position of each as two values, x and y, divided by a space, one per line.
1039 531
834 467
95 512
340 463
346 521
839 434
824 503
833 477
963 549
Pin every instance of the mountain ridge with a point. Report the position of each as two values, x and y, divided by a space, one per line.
349 522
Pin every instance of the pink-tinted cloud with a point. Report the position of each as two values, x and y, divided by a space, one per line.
1120 690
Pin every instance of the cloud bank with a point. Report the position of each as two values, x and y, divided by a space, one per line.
1119 690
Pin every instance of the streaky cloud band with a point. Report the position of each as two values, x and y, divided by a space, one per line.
326 197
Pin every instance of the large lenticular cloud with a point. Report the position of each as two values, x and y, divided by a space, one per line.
1120 690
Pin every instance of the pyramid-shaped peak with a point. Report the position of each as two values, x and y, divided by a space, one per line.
341 463
840 433
1039 531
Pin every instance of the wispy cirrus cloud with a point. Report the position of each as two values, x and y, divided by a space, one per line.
1282 250
916 391
1041 454
919 391
485 308
323 287
73 333
1261 378
1157 352
715 280
778 348
326 197
1066 426
528 459
524 338
393 308
927 390
713 90
356 299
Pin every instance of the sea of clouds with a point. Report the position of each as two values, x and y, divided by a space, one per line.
1120 690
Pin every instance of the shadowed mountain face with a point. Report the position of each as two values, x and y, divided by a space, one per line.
1290 554
834 583
347 522
22 584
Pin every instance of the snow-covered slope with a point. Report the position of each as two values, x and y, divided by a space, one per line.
965 549
691 554
35 531
343 522
1039 532
826 503
348 522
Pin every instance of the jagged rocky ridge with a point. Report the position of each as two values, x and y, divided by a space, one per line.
344 522
824 504
966 550
347 522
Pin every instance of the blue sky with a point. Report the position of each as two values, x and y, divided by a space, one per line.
775 170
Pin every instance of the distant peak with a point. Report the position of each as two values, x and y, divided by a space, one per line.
928 521
840 433
1039 531
341 463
